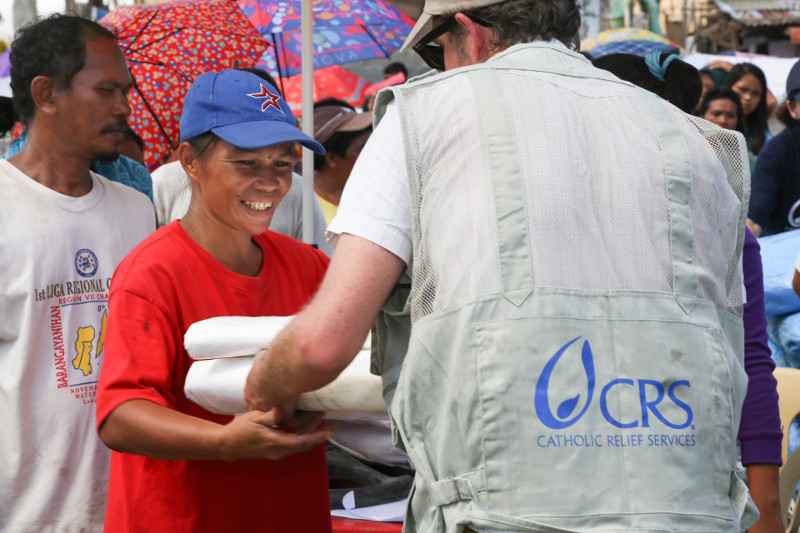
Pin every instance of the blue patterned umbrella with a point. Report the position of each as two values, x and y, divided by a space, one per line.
344 31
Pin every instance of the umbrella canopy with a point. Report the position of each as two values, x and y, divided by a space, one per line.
641 37
344 31
329 82
167 46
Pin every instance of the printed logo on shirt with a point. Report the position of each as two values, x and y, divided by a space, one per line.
88 341
650 397
78 317
77 355
86 263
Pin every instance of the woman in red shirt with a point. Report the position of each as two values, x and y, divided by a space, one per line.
177 467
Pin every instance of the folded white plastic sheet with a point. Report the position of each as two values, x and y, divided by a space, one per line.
218 386
226 347
232 336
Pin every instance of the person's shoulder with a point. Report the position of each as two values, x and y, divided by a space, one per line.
155 244
156 253
785 143
789 137
125 201
125 193
12 182
127 172
295 192
6 168
169 181
292 252
169 173
700 132
285 243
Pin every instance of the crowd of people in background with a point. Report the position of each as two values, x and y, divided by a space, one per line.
79 204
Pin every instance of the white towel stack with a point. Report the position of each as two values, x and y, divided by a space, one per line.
224 348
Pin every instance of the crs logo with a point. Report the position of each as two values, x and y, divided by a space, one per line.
566 415
85 263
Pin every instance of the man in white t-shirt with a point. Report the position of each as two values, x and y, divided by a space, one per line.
551 210
65 229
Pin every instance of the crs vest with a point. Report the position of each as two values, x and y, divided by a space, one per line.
575 360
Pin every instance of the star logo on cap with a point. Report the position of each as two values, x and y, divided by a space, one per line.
270 99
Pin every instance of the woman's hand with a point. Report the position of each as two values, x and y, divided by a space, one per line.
253 435
145 428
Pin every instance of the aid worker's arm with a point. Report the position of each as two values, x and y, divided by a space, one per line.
325 337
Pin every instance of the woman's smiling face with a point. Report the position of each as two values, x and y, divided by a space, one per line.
239 188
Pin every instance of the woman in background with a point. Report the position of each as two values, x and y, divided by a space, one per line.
750 83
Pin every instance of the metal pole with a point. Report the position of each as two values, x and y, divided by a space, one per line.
307 16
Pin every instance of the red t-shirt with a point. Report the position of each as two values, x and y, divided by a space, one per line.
163 286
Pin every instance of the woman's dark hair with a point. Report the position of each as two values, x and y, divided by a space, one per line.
201 143
522 21
756 122
393 68
722 93
682 85
54 47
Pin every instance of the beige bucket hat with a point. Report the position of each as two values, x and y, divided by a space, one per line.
439 7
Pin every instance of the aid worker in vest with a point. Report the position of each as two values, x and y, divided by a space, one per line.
575 300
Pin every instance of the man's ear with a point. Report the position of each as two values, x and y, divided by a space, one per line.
331 158
188 160
794 109
478 39
43 88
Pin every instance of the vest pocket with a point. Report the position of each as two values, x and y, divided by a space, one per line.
625 422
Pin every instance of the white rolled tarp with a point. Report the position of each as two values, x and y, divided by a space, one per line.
232 336
216 382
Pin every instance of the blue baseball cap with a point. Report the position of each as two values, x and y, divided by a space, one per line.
242 109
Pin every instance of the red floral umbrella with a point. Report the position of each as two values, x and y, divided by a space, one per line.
167 46
329 82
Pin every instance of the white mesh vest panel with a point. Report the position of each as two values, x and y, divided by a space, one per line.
596 209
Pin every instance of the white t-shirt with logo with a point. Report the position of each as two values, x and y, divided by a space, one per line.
58 256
